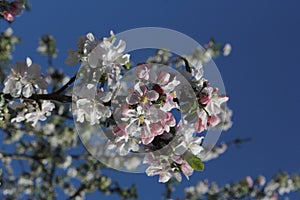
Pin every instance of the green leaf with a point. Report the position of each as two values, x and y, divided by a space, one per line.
127 65
195 162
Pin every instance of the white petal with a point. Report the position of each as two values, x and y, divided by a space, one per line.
153 170
152 95
180 149
195 148
28 61
90 37
121 46
27 90
164 177
122 60
178 177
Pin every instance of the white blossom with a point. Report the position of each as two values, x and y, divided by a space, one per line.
24 79
40 114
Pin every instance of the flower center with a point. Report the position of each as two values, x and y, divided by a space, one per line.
144 99
173 94
141 119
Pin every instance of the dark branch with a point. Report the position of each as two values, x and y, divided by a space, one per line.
63 88
36 97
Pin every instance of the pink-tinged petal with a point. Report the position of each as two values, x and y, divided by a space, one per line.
171 85
164 177
215 90
127 112
153 170
147 136
130 90
140 89
132 99
177 159
199 126
144 89
187 170
157 128
169 119
152 95
142 71
204 99
163 78
213 120
120 133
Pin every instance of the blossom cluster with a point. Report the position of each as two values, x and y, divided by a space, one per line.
181 156
139 113
146 112
142 118
31 112
25 80
107 67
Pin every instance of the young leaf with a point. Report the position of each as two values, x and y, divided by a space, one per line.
195 162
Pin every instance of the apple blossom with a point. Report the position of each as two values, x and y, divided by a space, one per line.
25 79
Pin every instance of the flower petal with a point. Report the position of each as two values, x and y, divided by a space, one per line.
152 95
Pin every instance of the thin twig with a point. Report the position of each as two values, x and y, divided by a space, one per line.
63 88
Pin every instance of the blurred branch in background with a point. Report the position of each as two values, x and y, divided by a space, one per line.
247 188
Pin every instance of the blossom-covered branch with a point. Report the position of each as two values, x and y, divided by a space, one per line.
138 117
247 188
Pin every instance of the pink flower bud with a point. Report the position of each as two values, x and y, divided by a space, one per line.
158 89
8 16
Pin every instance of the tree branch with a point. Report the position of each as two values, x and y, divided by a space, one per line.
52 96
63 88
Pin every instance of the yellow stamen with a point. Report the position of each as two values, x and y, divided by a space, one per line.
141 119
174 94
144 99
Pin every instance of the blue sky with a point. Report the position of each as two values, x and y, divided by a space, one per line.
261 75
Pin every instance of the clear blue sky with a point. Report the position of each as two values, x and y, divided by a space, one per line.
261 75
